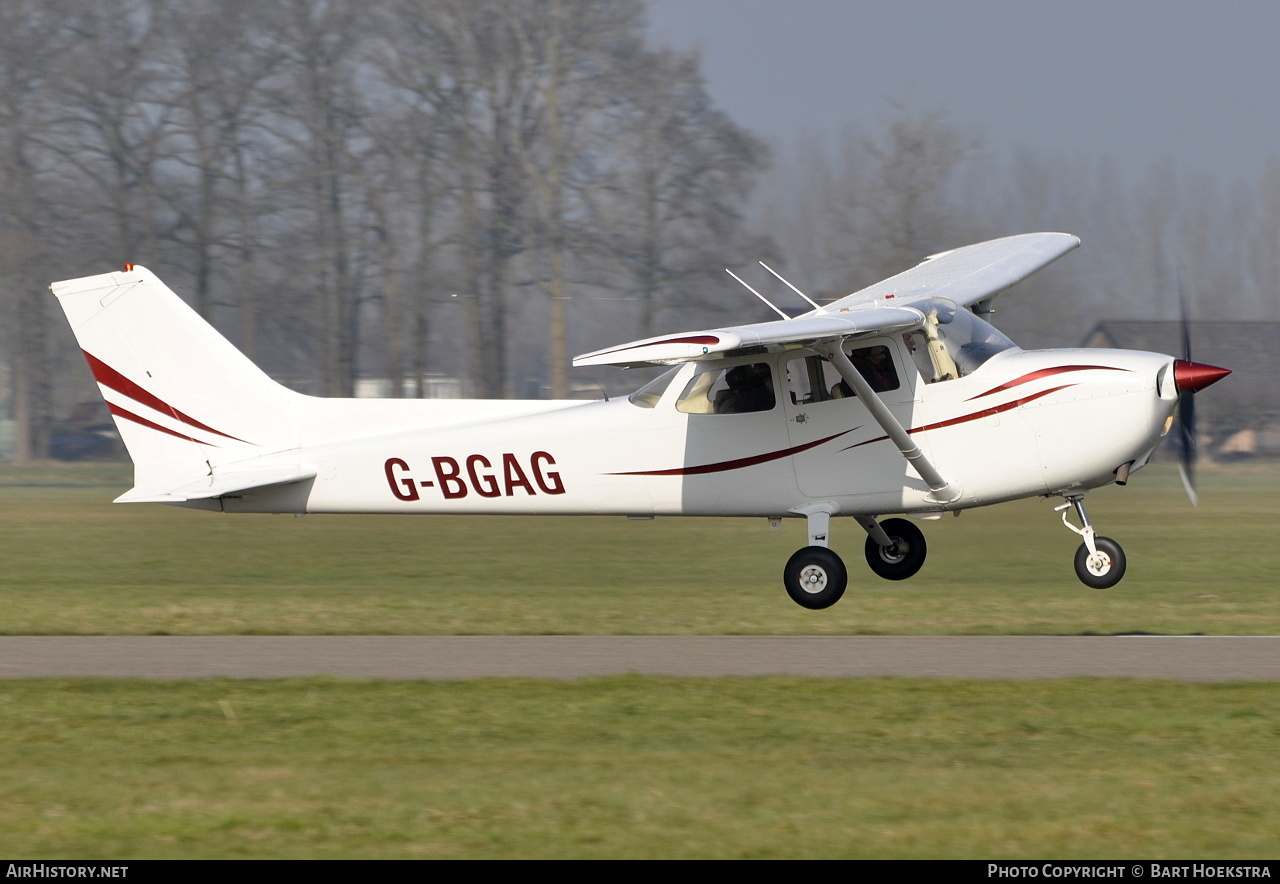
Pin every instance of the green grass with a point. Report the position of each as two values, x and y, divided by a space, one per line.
639 767
73 563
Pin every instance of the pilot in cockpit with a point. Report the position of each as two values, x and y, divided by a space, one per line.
750 388
875 364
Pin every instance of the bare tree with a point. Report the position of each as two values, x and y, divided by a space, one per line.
113 122
352 169
319 118
31 37
217 87
891 202
683 172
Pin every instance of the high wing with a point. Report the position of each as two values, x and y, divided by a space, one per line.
969 274
965 276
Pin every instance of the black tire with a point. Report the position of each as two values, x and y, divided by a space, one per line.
815 578
1107 570
905 557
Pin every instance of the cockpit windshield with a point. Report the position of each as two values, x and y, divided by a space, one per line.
953 342
649 395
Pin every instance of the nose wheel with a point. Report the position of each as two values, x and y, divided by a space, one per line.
1103 567
1100 561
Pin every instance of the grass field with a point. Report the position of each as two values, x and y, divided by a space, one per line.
639 767
73 563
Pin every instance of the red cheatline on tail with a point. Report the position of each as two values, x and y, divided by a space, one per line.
109 377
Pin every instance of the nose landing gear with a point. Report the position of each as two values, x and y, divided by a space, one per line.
1100 561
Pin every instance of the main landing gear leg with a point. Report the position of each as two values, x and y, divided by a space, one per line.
895 548
815 577
1100 561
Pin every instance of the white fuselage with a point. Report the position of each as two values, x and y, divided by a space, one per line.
1024 423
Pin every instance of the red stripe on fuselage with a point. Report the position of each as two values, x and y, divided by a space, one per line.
973 416
1044 373
109 377
736 464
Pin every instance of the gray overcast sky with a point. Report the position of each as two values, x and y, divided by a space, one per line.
1134 80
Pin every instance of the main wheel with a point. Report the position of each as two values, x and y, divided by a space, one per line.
815 577
1104 569
904 558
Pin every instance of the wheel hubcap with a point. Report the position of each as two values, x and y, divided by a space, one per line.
813 579
895 553
1098 564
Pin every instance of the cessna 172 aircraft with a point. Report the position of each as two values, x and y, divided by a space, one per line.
899 398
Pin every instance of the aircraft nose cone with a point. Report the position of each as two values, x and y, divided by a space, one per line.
1191 377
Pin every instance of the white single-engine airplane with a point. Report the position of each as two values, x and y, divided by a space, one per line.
899 398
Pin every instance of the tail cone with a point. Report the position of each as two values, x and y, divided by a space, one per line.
1191 377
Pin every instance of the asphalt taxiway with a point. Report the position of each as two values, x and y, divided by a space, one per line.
1187 658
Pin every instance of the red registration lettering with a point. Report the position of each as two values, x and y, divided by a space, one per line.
514 475
402 487
447 472
484 484
479 477
549 482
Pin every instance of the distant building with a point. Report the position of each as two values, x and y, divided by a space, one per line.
1238 416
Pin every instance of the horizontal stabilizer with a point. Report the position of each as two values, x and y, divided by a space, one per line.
219 484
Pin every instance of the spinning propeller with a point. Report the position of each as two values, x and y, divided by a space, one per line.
1190 377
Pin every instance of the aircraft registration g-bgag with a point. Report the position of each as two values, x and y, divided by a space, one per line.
897 399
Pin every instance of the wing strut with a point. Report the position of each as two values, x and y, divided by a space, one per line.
811 301
942 490
757 294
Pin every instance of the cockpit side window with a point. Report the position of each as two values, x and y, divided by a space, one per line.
741 389
875 364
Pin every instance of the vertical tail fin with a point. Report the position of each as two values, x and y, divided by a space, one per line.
184 399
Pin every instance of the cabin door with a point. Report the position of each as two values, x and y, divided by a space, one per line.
844 451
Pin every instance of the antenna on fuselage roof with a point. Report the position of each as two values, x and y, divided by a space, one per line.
757 294
790 286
